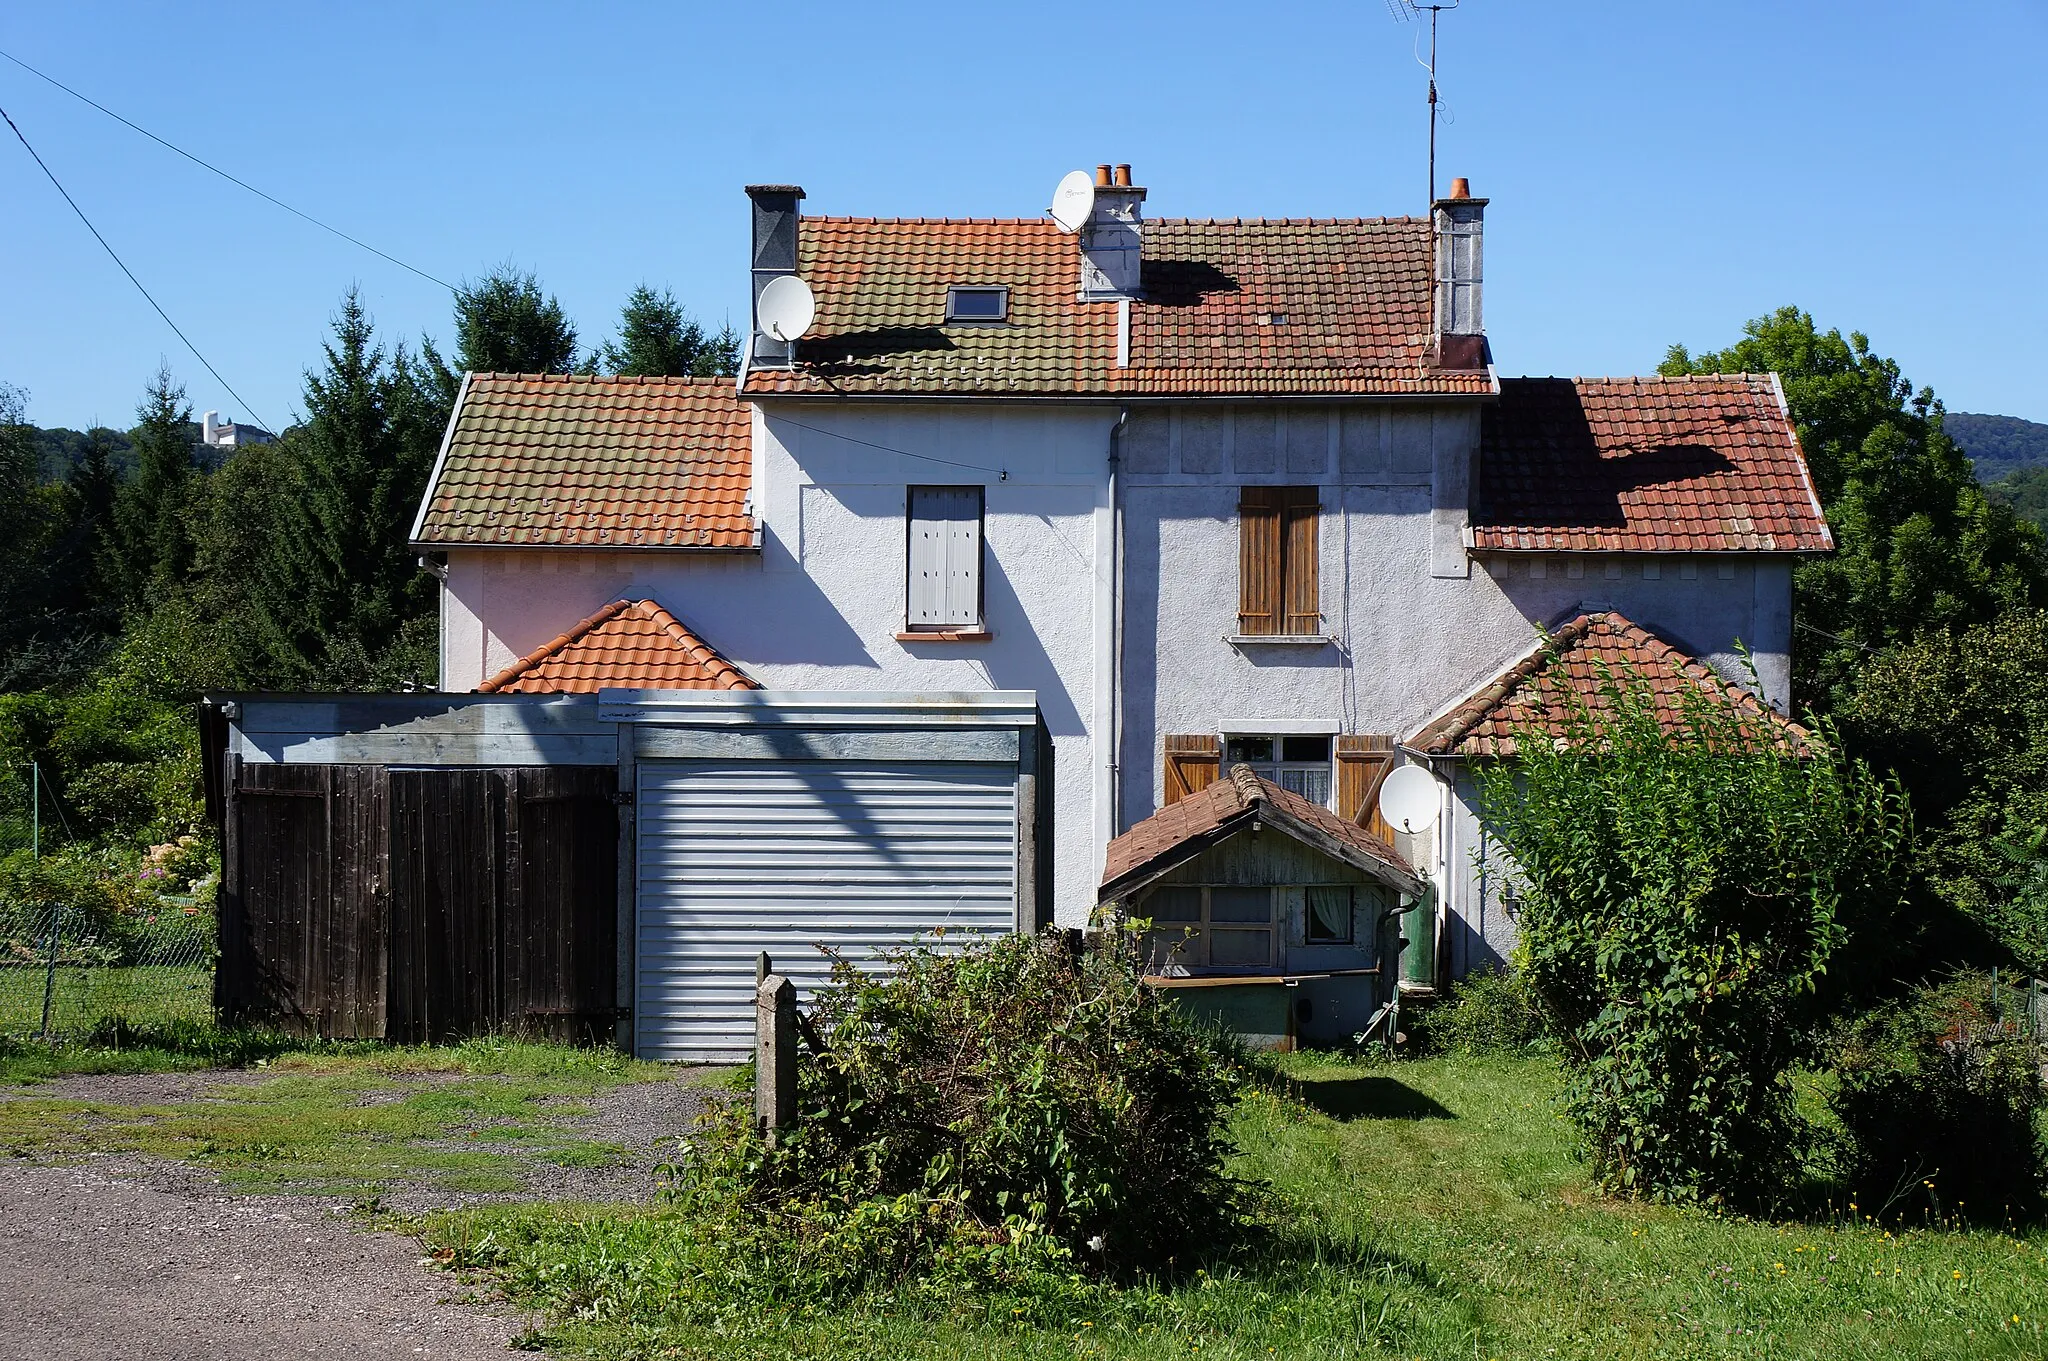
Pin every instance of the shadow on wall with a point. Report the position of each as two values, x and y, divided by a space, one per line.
1018 660
804 626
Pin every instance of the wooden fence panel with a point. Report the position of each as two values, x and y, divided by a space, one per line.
559 928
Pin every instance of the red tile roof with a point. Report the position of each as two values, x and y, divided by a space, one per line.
1644 465
1539 689
1182 830
628 645
550 460
1232 307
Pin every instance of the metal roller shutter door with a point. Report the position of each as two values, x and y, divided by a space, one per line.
741 856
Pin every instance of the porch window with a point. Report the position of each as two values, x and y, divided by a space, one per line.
944 571
1298 763
1224 927
1277 594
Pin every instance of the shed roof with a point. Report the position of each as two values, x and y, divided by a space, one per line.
629 645
577 461
1233 307
1538 689
1644 465
1182 830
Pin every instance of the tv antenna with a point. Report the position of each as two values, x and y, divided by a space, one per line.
1403 11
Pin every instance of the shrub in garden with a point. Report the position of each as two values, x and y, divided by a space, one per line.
1014 1106
1939 1098
1684 896
1489 1013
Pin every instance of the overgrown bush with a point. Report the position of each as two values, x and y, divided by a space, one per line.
1491 1013
1012 1108
1940 1099
1686 891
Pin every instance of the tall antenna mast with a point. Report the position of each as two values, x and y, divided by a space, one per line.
1408 9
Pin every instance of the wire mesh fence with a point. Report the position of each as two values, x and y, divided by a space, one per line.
69 974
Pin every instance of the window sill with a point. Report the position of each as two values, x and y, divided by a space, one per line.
944 636
1278 639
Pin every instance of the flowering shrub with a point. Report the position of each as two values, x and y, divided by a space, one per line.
1015 1107
1685 896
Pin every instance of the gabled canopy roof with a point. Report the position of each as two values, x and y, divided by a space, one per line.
1232 307
574 461
1644 465
1538 689
628 645
1181 831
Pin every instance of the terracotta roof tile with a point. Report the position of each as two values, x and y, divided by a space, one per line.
1537 690
1644 465
1209 810
547 460
629 645
1231 307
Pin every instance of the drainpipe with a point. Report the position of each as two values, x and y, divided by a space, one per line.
1116 615
1108 650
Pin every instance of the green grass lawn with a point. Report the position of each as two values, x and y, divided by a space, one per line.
350 1119
1439 1214
82 999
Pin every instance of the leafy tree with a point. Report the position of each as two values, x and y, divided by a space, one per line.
1688 897
505 324
1919 544
150 544
2026 491
658 339
1962 716
341 585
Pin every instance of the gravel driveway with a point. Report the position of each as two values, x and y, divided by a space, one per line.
151 1259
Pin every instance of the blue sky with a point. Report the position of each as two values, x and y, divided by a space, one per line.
1658 172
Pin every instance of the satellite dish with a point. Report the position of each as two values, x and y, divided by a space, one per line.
1410 798
786 308
1074 201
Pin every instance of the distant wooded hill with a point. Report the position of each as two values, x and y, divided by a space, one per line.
60 450
1998 445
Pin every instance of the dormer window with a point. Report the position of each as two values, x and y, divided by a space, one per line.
977 304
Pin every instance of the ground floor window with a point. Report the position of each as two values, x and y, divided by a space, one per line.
1221 927
1298 762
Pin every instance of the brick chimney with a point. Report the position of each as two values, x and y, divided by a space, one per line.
774 255
1113 240
1458 221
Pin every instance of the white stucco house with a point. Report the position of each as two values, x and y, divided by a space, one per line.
1235 492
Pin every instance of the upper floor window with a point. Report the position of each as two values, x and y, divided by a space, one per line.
977 304
1298 762
1277 594
944 585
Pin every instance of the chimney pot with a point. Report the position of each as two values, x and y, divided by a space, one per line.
1123 176
1102 176
1461 187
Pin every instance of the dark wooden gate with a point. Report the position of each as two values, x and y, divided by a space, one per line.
504 909
420 904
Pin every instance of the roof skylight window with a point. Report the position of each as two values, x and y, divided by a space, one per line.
978 304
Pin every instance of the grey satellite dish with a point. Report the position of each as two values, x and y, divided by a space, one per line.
786 308
1410 798
1074 201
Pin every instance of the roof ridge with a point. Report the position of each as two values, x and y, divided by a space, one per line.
560 641
1247 784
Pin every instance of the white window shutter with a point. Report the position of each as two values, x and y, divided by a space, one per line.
945 558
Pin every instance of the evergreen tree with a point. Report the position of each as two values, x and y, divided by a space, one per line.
151 545
658 339
1919 546
505 324
343 590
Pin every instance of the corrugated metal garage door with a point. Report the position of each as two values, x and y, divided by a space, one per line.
736 857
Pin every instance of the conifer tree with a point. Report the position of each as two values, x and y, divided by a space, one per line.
657 339
152 545
505 324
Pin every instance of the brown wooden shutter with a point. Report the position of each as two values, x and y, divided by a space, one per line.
1298 561
1259 560
1363 761
1191 761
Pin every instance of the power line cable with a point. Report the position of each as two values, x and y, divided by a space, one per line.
131 274
1003 473
207 165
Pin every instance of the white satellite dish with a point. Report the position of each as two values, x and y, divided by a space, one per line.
786 308
1410 798
1074 201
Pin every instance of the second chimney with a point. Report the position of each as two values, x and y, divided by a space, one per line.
774 255
1113 240
1457 221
